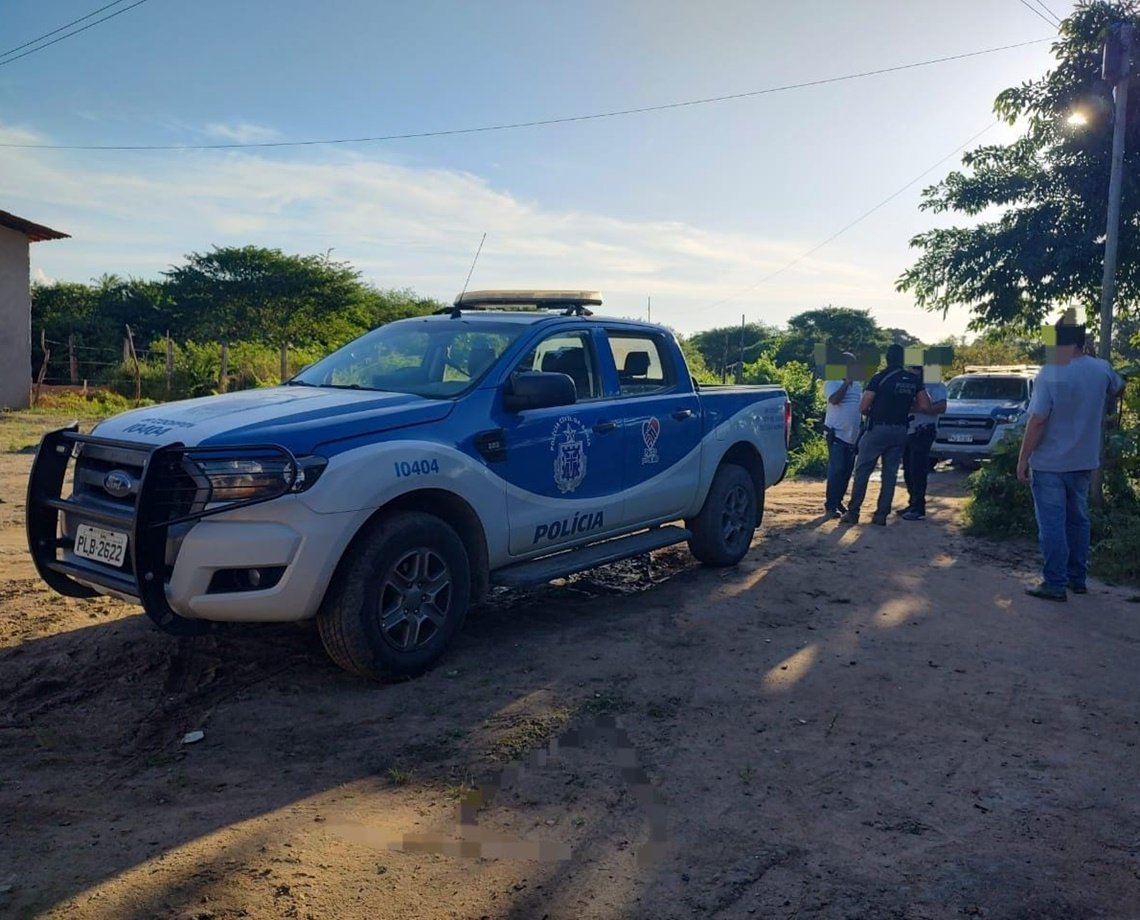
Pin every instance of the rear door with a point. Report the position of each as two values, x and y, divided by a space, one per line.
661 426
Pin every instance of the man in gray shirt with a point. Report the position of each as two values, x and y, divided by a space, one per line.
1062 446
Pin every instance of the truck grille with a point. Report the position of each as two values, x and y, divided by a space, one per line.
109 476
952 429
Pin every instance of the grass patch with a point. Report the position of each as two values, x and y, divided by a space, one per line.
21 429
522 735
398 776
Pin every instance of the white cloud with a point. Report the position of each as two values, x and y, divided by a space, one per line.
137 213
240 133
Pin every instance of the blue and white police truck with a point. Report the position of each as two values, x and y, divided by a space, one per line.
511 439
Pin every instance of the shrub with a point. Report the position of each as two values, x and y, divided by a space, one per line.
999 505
1002 507
803 390
810 458
96 404
198 366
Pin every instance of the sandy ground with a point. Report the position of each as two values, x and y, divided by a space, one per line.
860 722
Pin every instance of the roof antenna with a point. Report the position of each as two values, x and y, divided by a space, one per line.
455 313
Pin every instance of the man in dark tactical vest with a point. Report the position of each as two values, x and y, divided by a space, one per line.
888 399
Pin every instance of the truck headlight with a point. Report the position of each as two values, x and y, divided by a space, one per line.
1007 416
243 480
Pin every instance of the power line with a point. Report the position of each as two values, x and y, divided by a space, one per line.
838 233
1036 12
532 124
1047 10
89 25
67 25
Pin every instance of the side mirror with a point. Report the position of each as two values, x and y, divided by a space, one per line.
539 390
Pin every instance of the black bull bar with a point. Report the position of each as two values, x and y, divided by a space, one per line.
161 501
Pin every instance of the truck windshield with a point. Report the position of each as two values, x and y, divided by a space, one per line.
1007 389
426 358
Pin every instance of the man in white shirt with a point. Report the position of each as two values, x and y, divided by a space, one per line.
841 425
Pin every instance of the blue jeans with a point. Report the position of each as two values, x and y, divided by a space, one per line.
1061 503
840 463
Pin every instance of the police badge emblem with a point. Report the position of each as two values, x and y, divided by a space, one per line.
569 442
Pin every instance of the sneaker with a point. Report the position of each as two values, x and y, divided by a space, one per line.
849 517
1046 593
832 512
1078 589
903 512
841 508
912 515
880 519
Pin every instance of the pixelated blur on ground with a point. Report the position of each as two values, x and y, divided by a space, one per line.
855 722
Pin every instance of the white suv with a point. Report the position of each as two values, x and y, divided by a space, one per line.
982 406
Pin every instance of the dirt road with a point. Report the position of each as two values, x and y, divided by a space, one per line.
860 722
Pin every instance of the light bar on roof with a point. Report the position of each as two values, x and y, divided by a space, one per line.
528 299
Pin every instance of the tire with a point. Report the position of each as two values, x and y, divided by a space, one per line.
722 530
414 566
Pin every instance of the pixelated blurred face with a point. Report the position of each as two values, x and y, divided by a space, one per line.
833 364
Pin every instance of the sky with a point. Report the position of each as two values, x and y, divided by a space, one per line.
702 213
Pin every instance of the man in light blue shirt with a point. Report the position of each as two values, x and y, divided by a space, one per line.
1062 447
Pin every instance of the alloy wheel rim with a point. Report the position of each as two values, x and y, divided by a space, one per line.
414 599
734 519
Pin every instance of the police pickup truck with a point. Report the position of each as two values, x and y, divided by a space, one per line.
509 440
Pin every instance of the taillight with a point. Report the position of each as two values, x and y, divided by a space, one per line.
787 424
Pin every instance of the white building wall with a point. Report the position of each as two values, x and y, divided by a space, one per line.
15 320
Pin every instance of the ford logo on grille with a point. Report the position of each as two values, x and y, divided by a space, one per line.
118 484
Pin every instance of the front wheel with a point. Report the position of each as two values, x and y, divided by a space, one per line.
403 595
722 530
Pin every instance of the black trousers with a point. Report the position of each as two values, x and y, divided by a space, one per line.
916 466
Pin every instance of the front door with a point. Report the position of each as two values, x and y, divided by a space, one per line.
563 464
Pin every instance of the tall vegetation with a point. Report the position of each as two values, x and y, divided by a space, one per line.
273 311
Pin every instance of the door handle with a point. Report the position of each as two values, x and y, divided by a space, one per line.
681 414
603 427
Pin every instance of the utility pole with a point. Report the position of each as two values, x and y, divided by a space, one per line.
1116 69
740 365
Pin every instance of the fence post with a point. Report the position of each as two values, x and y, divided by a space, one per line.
169 364
284 361
72 361
224 374
43 368
135 359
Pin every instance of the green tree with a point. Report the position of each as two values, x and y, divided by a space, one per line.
721 348
803 390
993 348
698 370
1046 246
256 294
847 329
